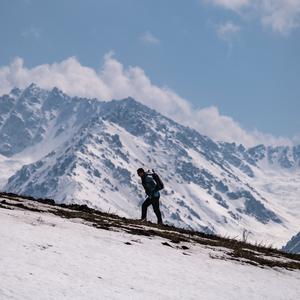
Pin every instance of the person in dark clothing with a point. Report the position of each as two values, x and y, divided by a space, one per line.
152 193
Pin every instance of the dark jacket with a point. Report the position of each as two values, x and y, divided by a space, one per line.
150 186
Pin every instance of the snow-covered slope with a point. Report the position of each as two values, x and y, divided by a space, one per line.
293 245
87 151
44 256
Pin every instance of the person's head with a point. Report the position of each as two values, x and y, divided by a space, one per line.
140 172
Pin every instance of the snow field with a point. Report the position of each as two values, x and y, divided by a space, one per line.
47 257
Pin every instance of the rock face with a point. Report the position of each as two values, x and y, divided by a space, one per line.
293 245
87 151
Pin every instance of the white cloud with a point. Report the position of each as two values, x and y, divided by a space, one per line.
114 81
230 4
149 38
227 31
282 16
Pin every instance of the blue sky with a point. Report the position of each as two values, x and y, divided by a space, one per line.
242 58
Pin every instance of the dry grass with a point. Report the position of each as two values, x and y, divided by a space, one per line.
241 251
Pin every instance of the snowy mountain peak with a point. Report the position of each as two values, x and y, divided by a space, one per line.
33 91
293 245
15 92
87 151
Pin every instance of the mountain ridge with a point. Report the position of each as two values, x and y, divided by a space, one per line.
241 250
88 151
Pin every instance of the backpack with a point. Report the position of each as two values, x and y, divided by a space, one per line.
158 181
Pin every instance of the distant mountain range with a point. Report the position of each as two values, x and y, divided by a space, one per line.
293 245
87 151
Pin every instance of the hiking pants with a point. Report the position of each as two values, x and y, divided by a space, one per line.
155 204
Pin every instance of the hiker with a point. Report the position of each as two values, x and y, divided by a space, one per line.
152 191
